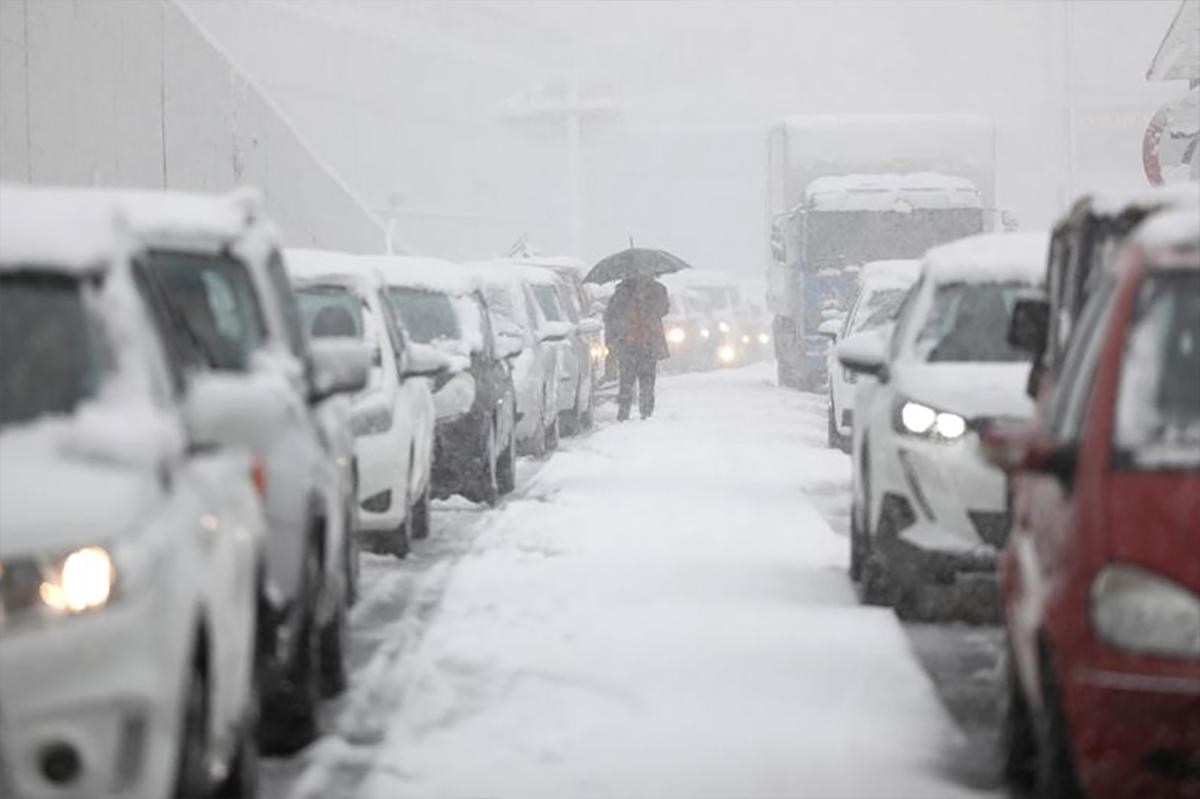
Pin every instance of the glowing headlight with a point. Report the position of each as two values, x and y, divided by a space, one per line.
745 339
723 327
83 581
763 338
1141 611
705 333
599 352
921 420
726 354
676 335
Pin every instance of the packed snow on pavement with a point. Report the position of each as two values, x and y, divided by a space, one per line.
662 610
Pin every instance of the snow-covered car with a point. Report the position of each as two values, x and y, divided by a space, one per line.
689 332
393 417
576 376
133 533
882 286
217 261
440 305
925 510
719 292
516 315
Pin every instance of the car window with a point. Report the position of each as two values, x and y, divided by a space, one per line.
392 324
532 313
1071 393
876 309
547 300
293 325
215 298
569 301
1157 421
330 311
968 322
65 356
905 315
172 350
428 316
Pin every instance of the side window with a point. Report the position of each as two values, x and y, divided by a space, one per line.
1074 388
394 332
478 306
164 348
904 318
531 310
293 328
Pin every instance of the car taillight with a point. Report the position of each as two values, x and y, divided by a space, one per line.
258 475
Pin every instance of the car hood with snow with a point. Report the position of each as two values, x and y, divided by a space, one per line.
972 390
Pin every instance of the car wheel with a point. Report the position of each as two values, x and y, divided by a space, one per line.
568 423
552 435
872 570
856 545
242 780
333 653
587 419
488 490
420 515
291 722
506 469
351 563
834 440
1054 776
1017 735
192 772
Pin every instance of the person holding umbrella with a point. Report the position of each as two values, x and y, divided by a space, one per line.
633 321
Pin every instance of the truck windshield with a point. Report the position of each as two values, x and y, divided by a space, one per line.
1158 401
844 238
62 359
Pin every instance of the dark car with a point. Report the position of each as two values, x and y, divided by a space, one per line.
475 449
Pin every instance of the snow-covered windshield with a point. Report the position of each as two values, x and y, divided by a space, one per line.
216 299
1158 401
877 309
427 316
62 359
331 311
969 322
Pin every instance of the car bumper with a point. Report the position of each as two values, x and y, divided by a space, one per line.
104 686
382 504
1135 734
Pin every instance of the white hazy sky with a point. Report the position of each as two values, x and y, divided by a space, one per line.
408 98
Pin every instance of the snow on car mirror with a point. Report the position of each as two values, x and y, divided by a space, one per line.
228 410
589 327
340 366
509 345
865 353
830 328
427 361
555 331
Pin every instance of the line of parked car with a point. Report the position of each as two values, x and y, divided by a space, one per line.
1023 417
199 430
714 322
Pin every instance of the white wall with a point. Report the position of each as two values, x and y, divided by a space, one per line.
115 93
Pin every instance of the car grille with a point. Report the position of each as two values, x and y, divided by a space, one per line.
992 526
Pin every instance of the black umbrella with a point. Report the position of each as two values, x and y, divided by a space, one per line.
633 262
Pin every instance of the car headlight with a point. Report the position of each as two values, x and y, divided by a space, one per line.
676 335
763 338
705 333
918 419
81 580
726 354
723 327
1141 611
371 420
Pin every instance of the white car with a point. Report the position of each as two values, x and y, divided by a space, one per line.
881 288
217 261
393 417
536 370
133 533
926 509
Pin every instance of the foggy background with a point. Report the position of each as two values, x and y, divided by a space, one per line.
414 103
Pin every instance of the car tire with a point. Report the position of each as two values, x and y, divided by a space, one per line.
334 646
506 468
487 489
352 564
242 780
873 571
1054 775
552 436
420 514
191 775
587 419
291 721
832 438
1017 736
856 545
568 423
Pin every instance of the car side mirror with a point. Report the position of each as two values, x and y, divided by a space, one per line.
227 410
864 353
830 329
425 361
555 331
339 366
589 327
1029 325
509 345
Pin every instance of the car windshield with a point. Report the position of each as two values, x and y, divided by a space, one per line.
877 309
214 296
969 322
427 316
1158 401
547 299
62 359
331 311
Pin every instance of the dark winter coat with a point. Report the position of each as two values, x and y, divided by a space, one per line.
633 319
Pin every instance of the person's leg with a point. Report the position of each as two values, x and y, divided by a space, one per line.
626 376
647 373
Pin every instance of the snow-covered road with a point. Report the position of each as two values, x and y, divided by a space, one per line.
662 611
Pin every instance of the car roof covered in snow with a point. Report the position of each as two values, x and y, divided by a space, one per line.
429 274
556 262
700 278
891 192
889 274
310 267
196 218
1176 195
67 230
1170 230
990 258
504 270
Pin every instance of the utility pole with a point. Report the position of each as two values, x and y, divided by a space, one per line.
565 102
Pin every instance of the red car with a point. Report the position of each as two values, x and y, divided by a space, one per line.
1101 574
